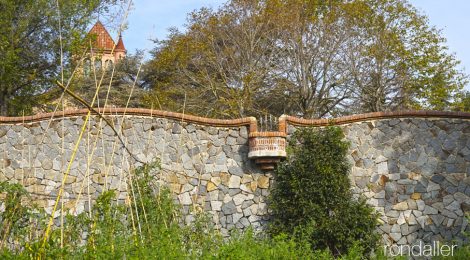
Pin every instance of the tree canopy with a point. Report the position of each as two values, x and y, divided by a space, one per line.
32 53
310 58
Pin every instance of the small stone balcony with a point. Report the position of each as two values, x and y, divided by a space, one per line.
267 148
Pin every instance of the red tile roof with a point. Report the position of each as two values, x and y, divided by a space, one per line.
103 40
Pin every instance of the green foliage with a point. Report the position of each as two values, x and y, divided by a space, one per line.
406 60
248 246
147 225
30 46
16 216
311 199
308 58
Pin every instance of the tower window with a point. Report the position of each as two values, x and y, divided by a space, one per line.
87 67
108 63
97 64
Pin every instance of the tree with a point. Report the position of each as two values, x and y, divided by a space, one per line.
400 61
312 42
246 52
312 198
30 46
463 102
310 58
223 63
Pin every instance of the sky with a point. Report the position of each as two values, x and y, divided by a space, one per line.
150 19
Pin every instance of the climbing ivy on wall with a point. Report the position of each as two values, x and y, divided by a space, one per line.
312 199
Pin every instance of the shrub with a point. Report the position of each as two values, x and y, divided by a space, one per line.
20 220
312 200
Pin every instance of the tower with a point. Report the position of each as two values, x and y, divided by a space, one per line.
104 51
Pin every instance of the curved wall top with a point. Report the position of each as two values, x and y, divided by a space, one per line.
250 121
285 120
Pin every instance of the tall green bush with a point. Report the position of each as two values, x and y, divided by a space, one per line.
312 199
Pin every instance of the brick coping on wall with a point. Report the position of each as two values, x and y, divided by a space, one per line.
248 121
284 120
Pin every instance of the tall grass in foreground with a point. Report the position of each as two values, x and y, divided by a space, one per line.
148 225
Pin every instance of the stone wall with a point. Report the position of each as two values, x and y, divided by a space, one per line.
415 172
413 167
205 166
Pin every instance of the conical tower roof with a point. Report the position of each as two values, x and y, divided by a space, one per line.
120 45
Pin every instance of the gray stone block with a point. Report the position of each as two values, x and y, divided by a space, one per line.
229 208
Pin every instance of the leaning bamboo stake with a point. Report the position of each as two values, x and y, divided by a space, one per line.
135 204
90 156
123 116
61 169
129 202
102 139
62 224
181 145
121 173
143 207
86 179
91 109
88 172
74 153
22 159
131 180
61 190
138 188
108 166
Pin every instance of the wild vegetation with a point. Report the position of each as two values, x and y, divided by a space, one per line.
147 226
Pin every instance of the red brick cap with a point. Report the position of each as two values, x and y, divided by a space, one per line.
268 134
284 120
246 121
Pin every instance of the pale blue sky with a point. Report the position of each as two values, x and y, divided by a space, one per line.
150 19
